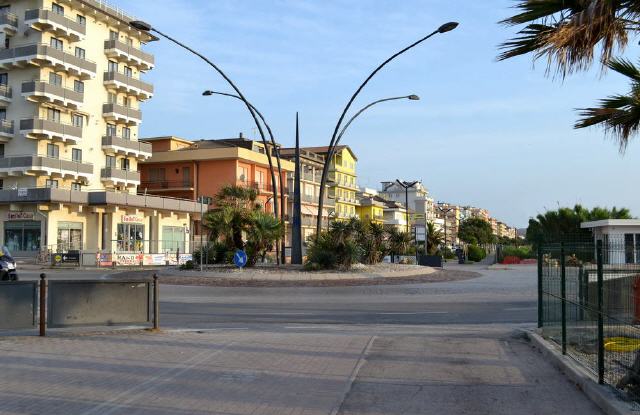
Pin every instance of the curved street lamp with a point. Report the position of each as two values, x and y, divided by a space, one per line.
447 27
146 27
209 93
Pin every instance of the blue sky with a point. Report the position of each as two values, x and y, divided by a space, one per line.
489 134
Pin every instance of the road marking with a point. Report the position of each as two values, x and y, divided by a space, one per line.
520 308
289 314
413 314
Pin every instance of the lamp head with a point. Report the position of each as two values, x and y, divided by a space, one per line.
140 25
207 93
414 97
447 27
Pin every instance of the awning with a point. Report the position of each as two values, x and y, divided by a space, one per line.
307 210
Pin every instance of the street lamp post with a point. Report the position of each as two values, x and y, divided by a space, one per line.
278 162
406 186
445 212
447 27
146 27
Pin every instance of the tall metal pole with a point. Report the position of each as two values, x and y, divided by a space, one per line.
296 231
407 186
146 27
331 150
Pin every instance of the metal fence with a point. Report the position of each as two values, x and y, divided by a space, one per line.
589 304
18 305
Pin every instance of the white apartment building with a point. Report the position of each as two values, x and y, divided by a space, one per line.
421 205
70 92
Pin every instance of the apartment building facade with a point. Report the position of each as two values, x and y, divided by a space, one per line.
370 207
191 169
311 165
421 206
342 180
451 215
70 94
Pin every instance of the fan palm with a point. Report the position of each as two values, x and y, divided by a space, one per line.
264 231
434 238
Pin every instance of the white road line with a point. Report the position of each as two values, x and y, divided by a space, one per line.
413 314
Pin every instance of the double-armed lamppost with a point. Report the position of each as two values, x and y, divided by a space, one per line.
406 186
447 27
146 27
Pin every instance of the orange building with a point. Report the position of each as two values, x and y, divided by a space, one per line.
190 169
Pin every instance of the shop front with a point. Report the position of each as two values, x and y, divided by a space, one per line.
22 233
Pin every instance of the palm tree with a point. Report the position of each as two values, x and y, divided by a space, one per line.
571 34
435 238
398 241
263 232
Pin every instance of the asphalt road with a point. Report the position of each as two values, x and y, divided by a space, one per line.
498 296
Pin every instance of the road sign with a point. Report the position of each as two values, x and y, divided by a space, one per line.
421 234
240 258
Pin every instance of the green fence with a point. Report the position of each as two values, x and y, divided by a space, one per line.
589 304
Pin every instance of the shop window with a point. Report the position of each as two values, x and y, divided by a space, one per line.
69 236
173 238
21 236
130 237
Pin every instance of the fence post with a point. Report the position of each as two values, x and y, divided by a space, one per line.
600 313
563 297
156 303
540 290
43 305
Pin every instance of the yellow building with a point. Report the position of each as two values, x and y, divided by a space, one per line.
371 209
70 94
342 180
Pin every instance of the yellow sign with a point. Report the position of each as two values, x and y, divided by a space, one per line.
58 258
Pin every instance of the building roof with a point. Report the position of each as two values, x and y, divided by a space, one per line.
610 222
166 137
324 150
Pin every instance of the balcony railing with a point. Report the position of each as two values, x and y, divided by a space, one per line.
45 163
38 53
45 18
50 128
10 20
167 185
146 60
112 173
42 88
6 128
127 146
143 89
6 92
262 186
118 111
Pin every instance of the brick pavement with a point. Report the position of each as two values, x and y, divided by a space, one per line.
214 372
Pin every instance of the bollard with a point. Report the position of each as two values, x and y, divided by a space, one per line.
43 304
156 303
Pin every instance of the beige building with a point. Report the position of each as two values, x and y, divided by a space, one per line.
70 94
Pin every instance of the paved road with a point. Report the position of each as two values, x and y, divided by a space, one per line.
497 297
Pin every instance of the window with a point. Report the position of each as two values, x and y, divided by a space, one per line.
628 248
157 174
52 184
58 9
53 151
113 66
130 237
80 53
1 184
3 113
76 155
126 101
7 42
111 130
186 176
22 236
4 9
56 43
259 178
126 133
80 19
2 153
124 164
173 238
78 86
4 78
69 236
243 173
129 42
113 35
112 98
53 115
128 72
55 79
77 120
110 162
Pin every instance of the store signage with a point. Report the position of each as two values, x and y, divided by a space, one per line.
104 259
154 259
184 258
23 192
132 219
128 259
20 215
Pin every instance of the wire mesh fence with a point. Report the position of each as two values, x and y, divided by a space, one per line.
589 304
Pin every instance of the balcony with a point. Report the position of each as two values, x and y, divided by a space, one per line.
6 131
40 128
123 83
114 49
126 147
159 186
43 165
9 23
45 20
41 91
117 177
6 95
43 55
261 187
122 114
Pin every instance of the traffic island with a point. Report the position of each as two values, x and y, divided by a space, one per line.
292 276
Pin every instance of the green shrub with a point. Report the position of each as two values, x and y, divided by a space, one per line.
522 252
476 253
187 265
214 253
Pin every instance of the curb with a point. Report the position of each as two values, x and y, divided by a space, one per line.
602 395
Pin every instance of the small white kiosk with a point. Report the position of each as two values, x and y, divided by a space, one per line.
620 238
